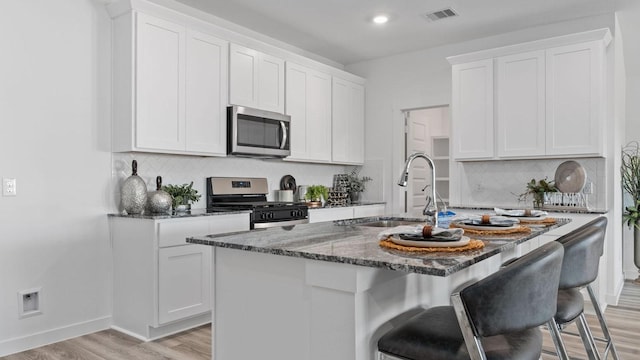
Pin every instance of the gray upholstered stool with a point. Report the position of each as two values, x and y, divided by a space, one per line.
497 317
583 248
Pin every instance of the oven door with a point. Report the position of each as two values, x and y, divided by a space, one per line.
258 133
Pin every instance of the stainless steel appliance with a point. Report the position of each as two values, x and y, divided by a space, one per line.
229 193
257 133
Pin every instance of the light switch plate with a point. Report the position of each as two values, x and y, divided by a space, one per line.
8 187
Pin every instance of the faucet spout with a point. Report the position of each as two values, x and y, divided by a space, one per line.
431 209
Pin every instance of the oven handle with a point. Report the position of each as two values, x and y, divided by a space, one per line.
283 141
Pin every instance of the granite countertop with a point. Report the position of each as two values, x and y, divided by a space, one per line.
204 212
347 242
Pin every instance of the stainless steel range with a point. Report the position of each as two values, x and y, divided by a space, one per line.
227 193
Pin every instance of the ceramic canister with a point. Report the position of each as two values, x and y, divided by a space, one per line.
133 194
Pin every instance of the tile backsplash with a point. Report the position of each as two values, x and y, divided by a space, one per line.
178 169
500 182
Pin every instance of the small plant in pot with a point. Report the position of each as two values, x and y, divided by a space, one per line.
183 196
317 195
537 189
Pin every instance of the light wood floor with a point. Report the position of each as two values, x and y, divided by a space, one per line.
623 320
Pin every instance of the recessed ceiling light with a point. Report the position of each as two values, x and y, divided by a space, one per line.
380 19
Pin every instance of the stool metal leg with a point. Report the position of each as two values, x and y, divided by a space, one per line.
587 338
561 350
603 325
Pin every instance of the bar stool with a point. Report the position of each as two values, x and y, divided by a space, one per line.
497 317
583 248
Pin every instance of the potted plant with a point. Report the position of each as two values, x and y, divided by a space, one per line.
355 185
182 195
317 195
630 171
537 189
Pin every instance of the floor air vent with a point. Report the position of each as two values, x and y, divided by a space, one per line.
441 14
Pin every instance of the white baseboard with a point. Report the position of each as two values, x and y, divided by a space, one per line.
631 274
23 343
613 299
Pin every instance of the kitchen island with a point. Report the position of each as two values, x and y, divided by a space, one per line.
328 290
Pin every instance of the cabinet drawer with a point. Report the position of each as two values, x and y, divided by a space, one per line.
330 214
175 232
368 210
228 223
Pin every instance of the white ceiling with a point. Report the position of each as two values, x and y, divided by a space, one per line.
341 30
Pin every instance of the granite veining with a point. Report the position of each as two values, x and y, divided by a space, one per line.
552 210
349 242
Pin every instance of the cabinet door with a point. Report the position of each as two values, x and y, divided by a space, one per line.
347 123
472 110
184 276
160 69
520 105
206 94
243 76
308 99
271 83
574 99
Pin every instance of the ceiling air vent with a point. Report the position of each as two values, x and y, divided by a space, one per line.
441 14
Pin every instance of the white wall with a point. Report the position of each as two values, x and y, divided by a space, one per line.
54 110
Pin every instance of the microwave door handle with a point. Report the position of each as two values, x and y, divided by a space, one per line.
283 141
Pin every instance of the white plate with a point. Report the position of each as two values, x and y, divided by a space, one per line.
462 242
481 227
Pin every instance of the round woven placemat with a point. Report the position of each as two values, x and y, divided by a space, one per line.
518 229
472 245
546 221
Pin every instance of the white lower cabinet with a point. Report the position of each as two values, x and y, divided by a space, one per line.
184 275
161 283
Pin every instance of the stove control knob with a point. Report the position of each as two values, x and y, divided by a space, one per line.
270 215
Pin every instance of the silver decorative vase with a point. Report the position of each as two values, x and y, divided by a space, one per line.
133 194
159 200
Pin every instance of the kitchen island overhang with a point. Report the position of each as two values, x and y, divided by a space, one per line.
327 290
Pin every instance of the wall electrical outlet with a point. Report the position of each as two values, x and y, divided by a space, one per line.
9 187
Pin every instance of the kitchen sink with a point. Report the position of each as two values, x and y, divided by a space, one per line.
388 222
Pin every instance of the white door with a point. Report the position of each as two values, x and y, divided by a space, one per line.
243 76
574 99
160 84
271 83
347 122
472 110
421 126
520 109
308 101
184 276
206 94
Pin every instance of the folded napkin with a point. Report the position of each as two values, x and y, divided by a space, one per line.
416 230
534 213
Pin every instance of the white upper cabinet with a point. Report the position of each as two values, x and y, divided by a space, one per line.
256 79
206 93
575 99
520 105
309 105
347 122
549 99
472 110
160 74
169 88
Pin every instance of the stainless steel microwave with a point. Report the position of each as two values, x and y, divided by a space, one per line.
258 133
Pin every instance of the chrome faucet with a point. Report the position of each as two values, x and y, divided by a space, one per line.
431 208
